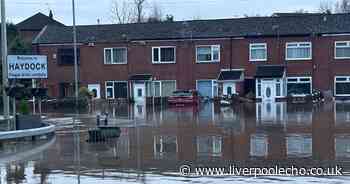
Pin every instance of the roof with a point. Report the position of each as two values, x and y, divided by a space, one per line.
270 71
298 25
233 75
37 22
140 77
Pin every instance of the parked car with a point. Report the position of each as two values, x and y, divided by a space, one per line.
182 97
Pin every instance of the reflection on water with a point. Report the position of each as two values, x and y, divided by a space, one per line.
160 139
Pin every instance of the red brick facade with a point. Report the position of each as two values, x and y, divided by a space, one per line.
234 54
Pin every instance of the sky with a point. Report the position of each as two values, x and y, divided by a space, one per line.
88 11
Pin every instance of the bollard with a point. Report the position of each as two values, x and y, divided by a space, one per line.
98 120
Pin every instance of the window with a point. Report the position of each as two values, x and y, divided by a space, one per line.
66 56
116 89
342 86
115 55
109 90
207 54
163 55
342 50
164 88
299 86
258 52
298 51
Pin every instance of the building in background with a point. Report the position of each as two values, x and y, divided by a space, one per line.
270 57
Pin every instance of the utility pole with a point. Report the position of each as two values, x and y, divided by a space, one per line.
5 98
75 57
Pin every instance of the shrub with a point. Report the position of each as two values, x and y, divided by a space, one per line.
85 93
24 107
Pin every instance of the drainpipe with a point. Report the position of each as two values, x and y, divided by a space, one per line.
231 54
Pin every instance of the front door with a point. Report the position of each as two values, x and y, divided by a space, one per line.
140 92
268 89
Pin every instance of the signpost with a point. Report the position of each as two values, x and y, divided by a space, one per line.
27 67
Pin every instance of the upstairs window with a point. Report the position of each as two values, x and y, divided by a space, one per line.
207 54
66 56
115 56
299 51
163 55
342 50
258 52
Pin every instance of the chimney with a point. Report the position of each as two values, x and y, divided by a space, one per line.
51 14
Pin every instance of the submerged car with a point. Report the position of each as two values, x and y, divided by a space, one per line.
182 97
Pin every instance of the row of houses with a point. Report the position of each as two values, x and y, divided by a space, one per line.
269 57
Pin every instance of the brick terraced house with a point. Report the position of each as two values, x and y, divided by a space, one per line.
271 57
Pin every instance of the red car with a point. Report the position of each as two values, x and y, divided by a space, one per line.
183 97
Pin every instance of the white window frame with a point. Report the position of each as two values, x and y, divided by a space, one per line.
159 55
300 82
212 53
336 47
161 86
298 46
335 82
111 48
113 92
251 49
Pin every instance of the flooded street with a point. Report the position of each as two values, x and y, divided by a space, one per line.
156 141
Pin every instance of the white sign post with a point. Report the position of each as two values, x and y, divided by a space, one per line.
27 67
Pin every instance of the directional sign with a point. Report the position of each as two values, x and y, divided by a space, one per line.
27 67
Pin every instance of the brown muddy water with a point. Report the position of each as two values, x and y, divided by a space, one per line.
156 141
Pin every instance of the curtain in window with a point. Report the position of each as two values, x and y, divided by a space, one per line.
108 54
216 52
168 87
119 55
295 53
167 54
204 54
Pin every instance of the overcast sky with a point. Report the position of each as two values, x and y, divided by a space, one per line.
88 11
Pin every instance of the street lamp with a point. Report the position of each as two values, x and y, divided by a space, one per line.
75 57
5 98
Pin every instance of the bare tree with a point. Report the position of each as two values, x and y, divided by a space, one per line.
140 8
122 12
342 6
326 7
128 11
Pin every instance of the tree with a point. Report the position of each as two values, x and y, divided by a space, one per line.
128 11
122 12
326 7
342 6
140 8
156 14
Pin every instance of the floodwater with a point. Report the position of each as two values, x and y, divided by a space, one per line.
156 141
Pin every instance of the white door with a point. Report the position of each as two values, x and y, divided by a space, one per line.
95 90
268 91
140 92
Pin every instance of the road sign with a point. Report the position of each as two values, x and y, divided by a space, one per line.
27 67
